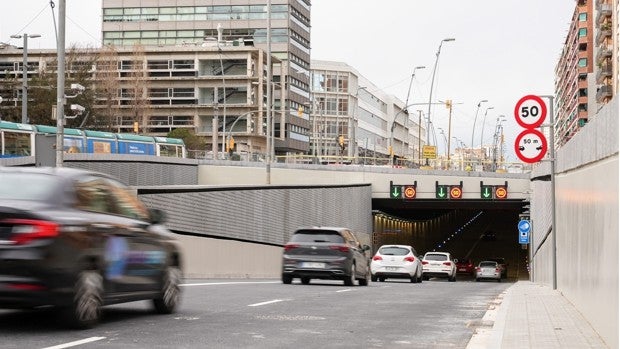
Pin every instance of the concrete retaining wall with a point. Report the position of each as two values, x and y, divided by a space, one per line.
587 223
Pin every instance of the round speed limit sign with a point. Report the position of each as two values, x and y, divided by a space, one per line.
530 111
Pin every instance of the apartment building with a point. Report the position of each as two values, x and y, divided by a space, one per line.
587 71
354 119
195 22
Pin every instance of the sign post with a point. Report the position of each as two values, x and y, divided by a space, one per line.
524 231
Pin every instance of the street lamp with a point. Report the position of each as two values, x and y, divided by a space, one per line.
25 74
473 128
483 120
430 95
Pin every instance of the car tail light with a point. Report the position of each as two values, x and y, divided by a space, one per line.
497 270
424 262
447 263
478 269
341 248
289 247
377 258
409 259
24 231
26 287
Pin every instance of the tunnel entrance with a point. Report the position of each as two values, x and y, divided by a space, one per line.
468 229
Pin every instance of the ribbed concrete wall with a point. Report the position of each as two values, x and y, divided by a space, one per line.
587 223
239 231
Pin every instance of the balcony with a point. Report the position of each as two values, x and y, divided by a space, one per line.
604 11
603 52
604 71
603 33
604 92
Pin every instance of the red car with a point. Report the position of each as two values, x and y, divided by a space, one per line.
465 266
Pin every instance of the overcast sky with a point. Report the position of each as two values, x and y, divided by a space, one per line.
504 49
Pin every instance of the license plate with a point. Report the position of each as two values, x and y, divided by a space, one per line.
391 268
314 265
462 269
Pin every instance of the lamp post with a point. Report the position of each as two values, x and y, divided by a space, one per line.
430 95
355 123
25 74
496 140
445 142
473 128
483 120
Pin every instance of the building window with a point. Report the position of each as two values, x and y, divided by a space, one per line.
583 32
583 17
583 62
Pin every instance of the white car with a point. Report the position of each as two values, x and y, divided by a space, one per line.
396 262
438 264
489 270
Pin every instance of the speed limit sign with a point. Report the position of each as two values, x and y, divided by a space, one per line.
530 111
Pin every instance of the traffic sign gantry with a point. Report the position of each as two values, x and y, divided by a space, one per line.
530 146
530 111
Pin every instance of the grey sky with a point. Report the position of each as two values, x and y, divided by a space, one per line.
504 49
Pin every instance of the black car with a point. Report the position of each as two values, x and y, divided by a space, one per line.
79 240
325 253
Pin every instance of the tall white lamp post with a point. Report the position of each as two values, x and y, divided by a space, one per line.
25 36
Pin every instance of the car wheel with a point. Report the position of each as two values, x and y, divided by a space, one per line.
286 279
499 280
373 278
425 277
305 280
350 280
85 310
452 278
381 279
170 291
477 280
366 280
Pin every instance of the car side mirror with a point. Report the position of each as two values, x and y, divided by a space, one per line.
157 216
365 247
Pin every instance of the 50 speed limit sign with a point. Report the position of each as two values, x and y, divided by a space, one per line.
530 111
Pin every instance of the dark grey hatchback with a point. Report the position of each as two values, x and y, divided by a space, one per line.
325 253
79 240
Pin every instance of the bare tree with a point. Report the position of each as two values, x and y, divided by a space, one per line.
107 81
138 88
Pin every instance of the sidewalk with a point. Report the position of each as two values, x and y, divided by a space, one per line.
530 315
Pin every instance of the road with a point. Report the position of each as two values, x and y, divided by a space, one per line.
267 314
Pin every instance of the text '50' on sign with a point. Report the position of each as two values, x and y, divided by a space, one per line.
530 111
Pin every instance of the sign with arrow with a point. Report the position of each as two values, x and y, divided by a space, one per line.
486 192
396 191
442 192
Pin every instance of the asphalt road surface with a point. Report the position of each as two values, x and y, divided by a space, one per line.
253 313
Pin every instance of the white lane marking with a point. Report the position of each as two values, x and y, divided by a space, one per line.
230 283
265 303
76 343
345 290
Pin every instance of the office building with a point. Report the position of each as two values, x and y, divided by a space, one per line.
195 22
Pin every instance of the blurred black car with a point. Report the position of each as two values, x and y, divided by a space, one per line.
80 240
325 253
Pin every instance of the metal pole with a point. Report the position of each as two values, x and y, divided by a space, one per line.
430 95
25 82
553 215
60 82
268 157
473 128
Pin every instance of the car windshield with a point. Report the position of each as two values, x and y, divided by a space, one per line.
436 257
393 251
26 186
488 264
317 236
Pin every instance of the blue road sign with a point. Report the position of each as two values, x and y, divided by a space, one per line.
524 231
524 226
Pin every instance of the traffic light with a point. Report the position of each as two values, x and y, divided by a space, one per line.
300 111
230 145
449 103
136 127
341 142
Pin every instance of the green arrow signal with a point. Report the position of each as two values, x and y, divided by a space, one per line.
396 190
486 193
441 193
